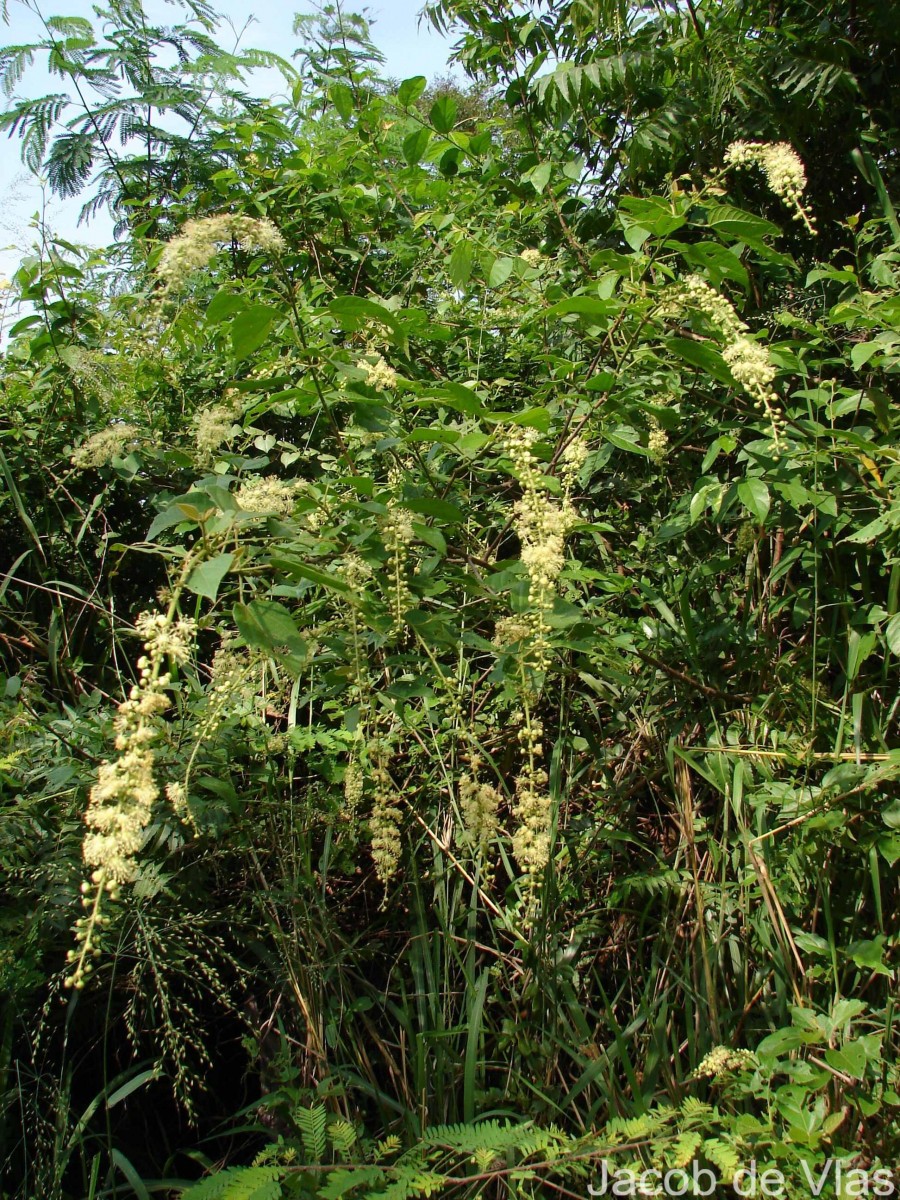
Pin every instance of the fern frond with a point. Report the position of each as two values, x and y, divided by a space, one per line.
684 1149
77 32
390 1145
693 1109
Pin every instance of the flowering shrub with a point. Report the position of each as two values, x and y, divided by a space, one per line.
515 569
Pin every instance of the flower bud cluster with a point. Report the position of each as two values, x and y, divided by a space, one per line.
657 442
101 448
781 165
213 425
380 375
508 631
722 1060
533 807
121 801
267 495
165 637
541 523
397 534
479 804
384 822
193 248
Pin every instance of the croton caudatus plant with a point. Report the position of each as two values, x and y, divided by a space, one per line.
451 615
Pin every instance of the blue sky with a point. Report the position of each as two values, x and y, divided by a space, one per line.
410 47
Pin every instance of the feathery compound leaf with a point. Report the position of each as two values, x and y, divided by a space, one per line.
311 1123
490 1136
343 1136
70 162
13 61
33 120
724 1156
238 1183
346 1179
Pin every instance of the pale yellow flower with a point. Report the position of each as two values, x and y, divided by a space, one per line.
781 165
102 447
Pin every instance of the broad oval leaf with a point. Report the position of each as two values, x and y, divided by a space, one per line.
206 578
411 89
443 114
754 495
250 328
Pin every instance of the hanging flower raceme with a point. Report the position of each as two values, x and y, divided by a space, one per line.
479 803
781 165
748 361
122 800
533 804
385 817
541 523
397 534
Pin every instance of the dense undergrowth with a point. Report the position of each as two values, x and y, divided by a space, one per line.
450 611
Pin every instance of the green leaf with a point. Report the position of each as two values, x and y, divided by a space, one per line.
250 328
443 114
269 626
892 634
425 433
205 579
429 506
225 303
742 226
461 262
862 352
636 235
702 355
304 570
534 418
415 145
625 438
849 1059
501 269
449 162
431 536
870 954
538 176
719 262
357 311
650 213
589 306
859 647
411 89
122 1093
754 495
342 99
